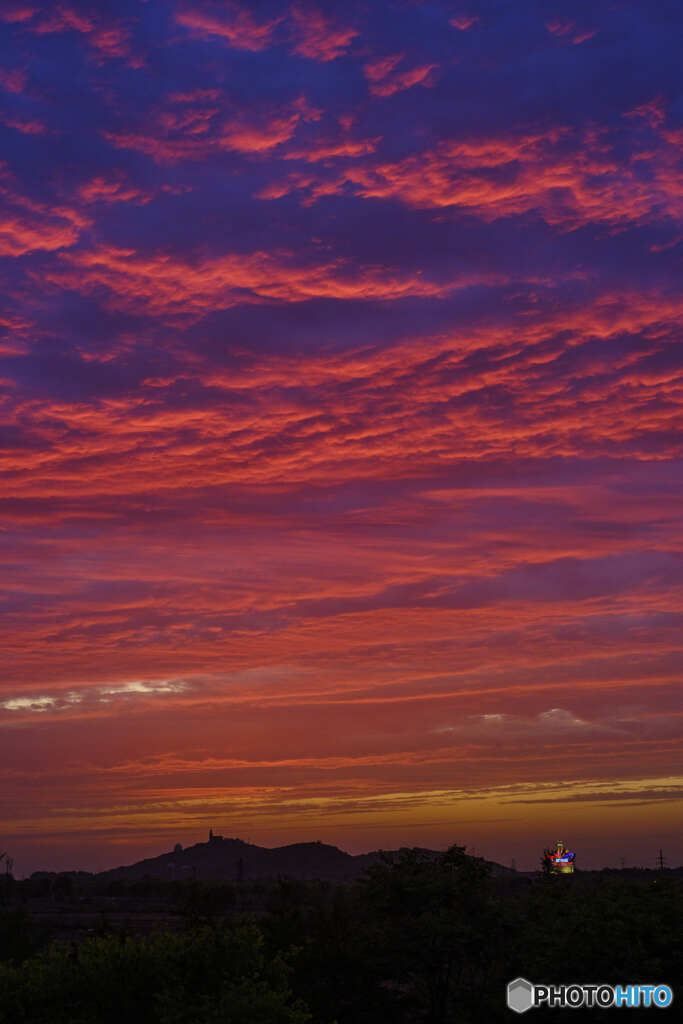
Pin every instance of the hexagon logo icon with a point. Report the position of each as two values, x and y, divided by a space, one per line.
520 995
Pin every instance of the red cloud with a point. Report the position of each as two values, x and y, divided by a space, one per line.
464 21
160 284
13 79
247 136
560 26
27 126
316 36
194 129
356 414
566 179
160 149
230 22
564 27
16 13
191 119
19 235
107 38
380 67
332 150
581 37
383 80
112 190
403 80
194 96
312 33
61 18
29 226
653 111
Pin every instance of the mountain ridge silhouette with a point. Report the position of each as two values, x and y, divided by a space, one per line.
232 859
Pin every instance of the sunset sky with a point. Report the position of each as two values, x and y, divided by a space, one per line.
340 449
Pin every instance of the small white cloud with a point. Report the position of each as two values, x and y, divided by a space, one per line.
513 727
101 694
139 686
559 716
27 703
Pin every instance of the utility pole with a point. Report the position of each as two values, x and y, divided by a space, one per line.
9 864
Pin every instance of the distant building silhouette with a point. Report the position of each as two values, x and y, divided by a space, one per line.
214 837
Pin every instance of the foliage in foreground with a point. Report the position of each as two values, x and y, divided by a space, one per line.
206 976
418 941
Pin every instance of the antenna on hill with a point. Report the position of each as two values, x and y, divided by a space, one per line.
8 870
661 860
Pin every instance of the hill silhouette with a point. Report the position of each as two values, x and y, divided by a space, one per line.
233 859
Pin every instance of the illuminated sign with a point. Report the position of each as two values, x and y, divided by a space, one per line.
560 860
